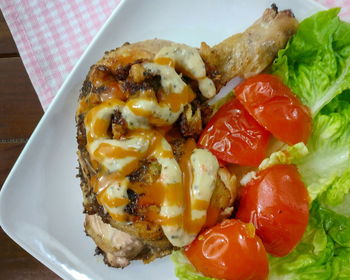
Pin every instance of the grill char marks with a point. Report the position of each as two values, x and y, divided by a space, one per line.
148 172
86 88
132 206
194 117
150 82
177 145
119 125
81 132
191 120
122 71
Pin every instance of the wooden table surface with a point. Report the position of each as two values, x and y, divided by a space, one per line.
20 111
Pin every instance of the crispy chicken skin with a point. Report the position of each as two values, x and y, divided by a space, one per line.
191 122
249 53
242 55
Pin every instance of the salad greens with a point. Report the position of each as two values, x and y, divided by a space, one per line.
324 252
316 62
316 65
327 164
287 155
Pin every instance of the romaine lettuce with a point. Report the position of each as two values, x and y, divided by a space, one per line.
316 62
324 252
327 165
287 155
316 65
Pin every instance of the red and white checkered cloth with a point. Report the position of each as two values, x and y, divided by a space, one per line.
52 34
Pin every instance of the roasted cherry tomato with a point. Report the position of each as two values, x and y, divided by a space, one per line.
275 107
230 250
277 203
233 136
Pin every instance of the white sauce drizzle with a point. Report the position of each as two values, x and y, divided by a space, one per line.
154 109
204 164
205 167
171 81
117 190
190 61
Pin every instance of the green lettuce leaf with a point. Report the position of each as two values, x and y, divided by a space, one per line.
336 192
326 168
342 208
316 66
323 253
184 270
287 155
315 63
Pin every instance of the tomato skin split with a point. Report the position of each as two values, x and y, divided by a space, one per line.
277 203
233 136
276 108
230 250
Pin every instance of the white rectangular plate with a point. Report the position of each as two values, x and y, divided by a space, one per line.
41 202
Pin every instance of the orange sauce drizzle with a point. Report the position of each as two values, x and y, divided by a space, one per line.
165 61
200 204
111 202
175 100
190 225
171 221
174 194
104 77
138 110
111 151
130 56
101 182
155 194
128 168
187 178
213 214
99 128
84 106
118 217
115 92
156 149
152 194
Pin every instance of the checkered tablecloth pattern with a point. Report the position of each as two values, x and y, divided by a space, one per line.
52 34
